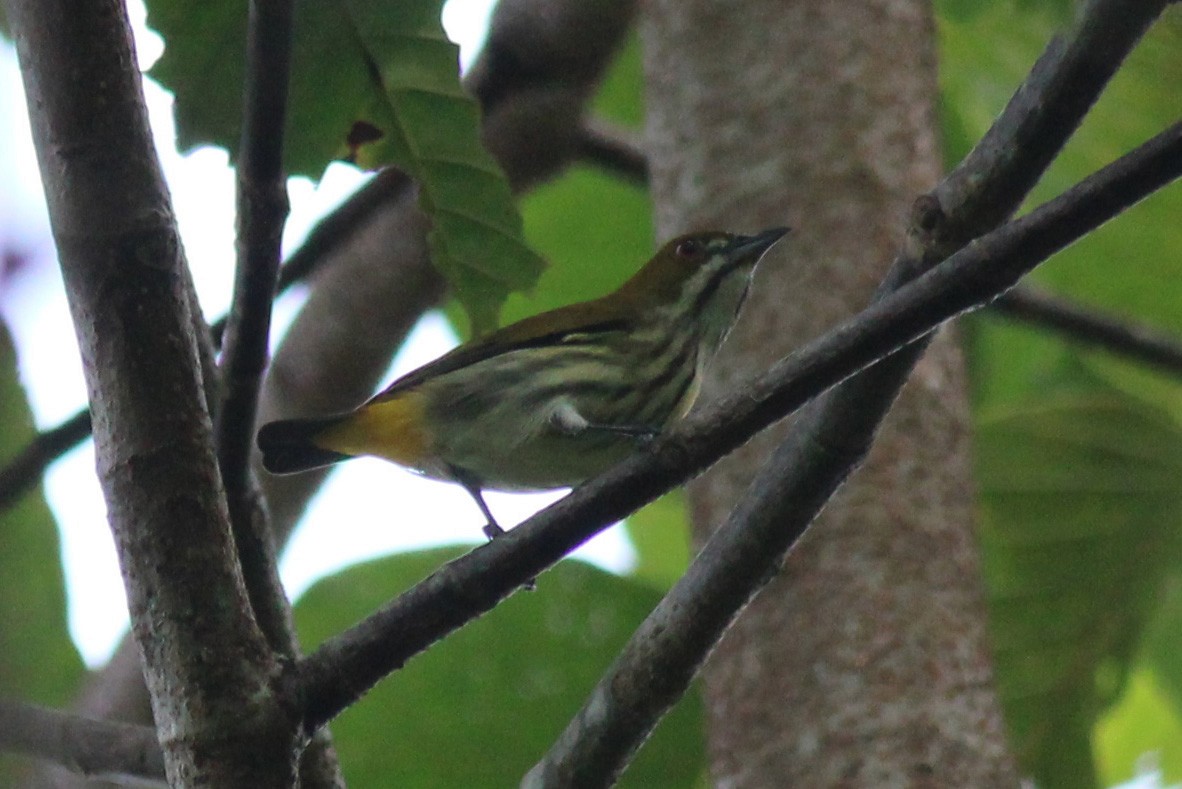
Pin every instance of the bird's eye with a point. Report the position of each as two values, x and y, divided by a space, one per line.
689 248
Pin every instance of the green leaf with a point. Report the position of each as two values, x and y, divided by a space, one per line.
1082 495
479 708
595 228
372 82
1161 655
38 661
1143 724
660 532
621 94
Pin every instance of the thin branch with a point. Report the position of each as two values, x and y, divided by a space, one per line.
102 750
613 150
25 470
262 211
1042 114
1089 327
348 664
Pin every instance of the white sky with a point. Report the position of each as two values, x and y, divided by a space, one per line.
351 518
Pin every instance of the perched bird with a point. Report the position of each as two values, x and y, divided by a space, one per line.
556 398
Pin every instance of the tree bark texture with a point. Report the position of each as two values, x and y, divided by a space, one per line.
865 663
219 720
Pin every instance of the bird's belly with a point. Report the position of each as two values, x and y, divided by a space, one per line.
510 440
526 457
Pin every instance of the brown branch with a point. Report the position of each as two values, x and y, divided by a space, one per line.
1090 327
102 750
127 284
614 151
262 210
25 470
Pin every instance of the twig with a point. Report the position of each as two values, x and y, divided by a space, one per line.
262 210
103 750
346 665
24 471
612 150
1090 327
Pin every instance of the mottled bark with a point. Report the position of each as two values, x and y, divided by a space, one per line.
221 716
865 663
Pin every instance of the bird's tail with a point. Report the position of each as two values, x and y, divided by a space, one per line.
289 445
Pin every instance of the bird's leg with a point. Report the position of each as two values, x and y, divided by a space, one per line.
491 529
642 433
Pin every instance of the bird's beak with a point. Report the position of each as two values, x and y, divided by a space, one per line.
747 250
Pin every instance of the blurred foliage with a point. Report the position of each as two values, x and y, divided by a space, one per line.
376 83
38 661
1082 503
1140 734
481 707
1079 454
661 536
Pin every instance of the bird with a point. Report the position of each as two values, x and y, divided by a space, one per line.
556 398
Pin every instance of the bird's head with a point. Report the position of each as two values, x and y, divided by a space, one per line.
695 268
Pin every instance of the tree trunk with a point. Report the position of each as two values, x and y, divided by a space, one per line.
866 662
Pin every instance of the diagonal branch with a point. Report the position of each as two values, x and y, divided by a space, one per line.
25 470
346 665
103 750
1090 327
833 435
612 151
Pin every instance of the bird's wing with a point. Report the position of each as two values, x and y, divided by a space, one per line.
582 322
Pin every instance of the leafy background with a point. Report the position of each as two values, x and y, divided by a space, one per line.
1079 454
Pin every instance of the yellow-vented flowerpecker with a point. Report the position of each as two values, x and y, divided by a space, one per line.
556 398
